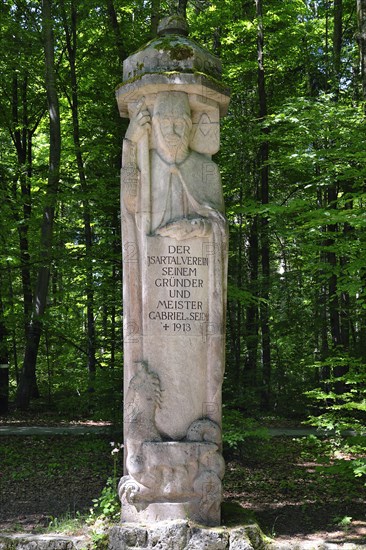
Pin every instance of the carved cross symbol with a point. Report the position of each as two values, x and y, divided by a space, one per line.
165 327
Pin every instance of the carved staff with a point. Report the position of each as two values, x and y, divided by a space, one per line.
143 156
144 164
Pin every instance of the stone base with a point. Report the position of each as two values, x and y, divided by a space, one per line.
247 537
53 541
161 511
180 535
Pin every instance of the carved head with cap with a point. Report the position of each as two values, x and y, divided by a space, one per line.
172 125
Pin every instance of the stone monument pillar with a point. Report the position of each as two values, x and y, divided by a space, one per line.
174 280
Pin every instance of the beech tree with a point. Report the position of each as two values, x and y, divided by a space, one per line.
263 157
27 382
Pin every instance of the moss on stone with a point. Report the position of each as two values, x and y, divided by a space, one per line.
180 52
174 42
233 514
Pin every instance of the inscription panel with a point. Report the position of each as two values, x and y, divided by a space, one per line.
177 278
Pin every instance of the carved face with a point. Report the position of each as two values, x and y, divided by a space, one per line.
172 125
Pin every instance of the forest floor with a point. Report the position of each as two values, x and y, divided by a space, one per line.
290 486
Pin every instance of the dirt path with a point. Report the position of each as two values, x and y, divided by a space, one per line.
105 427
66 429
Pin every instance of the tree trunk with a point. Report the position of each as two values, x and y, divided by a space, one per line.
335 325
239 283
337 43
20 137
361 39
4 361
338 317
233 342
13 331
27 378
264 223
252 324
117 31
71 37
155 16
115 279
182 7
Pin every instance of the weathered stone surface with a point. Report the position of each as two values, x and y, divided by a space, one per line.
204 539
41 542
239 539
255 536
179 535
168 536
316 544
128 536
160 536
174 278
173 24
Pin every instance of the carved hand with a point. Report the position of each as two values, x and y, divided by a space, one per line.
185 228
140 122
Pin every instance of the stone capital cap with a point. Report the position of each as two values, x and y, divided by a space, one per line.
173 24
202 91
172 62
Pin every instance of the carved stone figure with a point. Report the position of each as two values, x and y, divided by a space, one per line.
174 281
181 201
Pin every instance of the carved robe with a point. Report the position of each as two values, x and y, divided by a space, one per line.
183 190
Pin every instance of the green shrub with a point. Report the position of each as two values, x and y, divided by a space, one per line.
236 428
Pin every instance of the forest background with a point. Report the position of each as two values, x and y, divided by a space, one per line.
292 159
